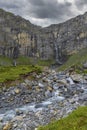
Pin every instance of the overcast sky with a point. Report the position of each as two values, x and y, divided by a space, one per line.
45 12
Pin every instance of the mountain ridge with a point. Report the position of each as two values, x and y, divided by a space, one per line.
21 37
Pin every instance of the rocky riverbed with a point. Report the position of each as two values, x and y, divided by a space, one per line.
48 96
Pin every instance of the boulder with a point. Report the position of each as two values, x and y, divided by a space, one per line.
8 126
63 81
48 94
49 88
17 91
40 85
85 65
70 81
77 77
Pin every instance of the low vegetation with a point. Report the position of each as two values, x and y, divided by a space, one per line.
77 120
13 73
5 61
21 60
25 60
9 72
76 60
45 62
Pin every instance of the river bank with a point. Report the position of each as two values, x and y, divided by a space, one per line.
48 96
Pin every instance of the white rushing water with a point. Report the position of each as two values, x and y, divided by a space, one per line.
69 79
32 107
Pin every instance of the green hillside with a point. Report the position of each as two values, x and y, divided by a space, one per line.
13 73
77 120
76 59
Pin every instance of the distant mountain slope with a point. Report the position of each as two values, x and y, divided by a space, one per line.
19 37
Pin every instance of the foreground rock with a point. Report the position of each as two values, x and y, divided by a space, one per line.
36 102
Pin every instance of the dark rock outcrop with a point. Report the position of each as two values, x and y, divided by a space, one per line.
19 37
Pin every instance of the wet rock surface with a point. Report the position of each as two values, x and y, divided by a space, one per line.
50 95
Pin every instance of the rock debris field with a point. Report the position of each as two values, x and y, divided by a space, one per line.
34 102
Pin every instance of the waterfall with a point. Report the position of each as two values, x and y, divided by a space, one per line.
57 53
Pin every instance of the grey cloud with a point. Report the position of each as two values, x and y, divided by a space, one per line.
37 8
81 3
48 11
15 6
36 2
9 4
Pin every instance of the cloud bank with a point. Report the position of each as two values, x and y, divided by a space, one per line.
45 12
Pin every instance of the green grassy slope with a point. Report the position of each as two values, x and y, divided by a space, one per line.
45 62
25 60
77 120
10 72
76 59
22 60
13 73
5 61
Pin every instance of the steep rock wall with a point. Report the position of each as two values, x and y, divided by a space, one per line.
19 37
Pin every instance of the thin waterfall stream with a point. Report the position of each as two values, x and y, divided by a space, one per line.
57 53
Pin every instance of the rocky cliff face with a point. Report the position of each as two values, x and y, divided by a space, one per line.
19 37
